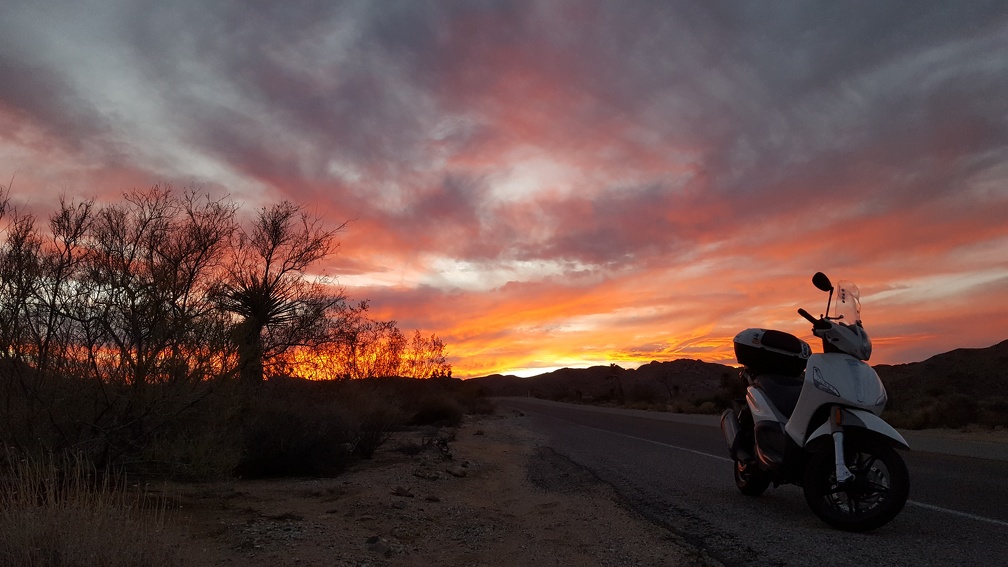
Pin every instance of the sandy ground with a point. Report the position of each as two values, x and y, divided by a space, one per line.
487 494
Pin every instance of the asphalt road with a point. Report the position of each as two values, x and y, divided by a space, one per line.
674 470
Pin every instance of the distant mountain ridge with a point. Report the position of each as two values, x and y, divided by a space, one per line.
654 382
952 389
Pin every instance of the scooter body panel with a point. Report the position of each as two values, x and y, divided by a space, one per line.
761 406
768 429
835 379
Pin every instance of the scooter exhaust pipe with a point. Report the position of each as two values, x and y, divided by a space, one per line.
730 429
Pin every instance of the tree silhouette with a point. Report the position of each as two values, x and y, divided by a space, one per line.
268 289
424 357
149 265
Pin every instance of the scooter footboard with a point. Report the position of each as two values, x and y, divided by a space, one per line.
853 417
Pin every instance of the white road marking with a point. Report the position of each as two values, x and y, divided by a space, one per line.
676 447
958 513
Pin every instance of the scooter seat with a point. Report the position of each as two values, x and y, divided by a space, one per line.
782 390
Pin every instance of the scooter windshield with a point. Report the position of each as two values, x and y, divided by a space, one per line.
847 303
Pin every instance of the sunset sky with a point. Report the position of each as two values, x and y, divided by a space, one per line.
561 183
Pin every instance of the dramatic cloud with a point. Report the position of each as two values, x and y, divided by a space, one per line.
559 182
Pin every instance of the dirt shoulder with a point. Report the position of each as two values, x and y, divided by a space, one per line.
486 494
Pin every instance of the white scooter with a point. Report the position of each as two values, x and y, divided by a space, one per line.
813 419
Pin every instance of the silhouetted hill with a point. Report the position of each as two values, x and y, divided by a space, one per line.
679 385
953 389
966 385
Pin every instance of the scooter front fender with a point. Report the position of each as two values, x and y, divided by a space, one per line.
853 417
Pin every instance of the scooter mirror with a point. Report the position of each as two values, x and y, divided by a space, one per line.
822 282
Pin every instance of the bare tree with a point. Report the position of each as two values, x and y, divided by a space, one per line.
277 305
19 276
368 348
21 394
149 333
150 265
4 199
425 357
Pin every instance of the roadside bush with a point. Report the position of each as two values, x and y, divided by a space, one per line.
711 407
202 442
993 412
952 411
477 404
645 395
439 409
682 407
282 437
647 405
956 410
376 420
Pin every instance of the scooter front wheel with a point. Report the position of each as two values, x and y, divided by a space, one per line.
873 497
749 479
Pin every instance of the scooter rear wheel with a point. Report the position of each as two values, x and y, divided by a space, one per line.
749 479
871 499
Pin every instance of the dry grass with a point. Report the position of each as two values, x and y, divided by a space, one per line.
59 513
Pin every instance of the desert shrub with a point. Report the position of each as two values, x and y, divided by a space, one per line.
375 422
476 404
683 407
653 405
58 511
897 419
439 409
710 407
717 403
207 455
210 450
956 410
993 412
953 411
142 431
288 436
204 442
733 386
645 395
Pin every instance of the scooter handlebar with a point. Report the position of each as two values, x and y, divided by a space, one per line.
816 323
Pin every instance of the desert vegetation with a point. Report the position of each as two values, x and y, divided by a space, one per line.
59 511
166 336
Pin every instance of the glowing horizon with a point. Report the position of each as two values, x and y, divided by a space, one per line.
551 184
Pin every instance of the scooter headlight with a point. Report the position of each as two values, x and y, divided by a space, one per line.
819 382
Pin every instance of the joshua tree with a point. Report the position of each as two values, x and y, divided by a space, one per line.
267 288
